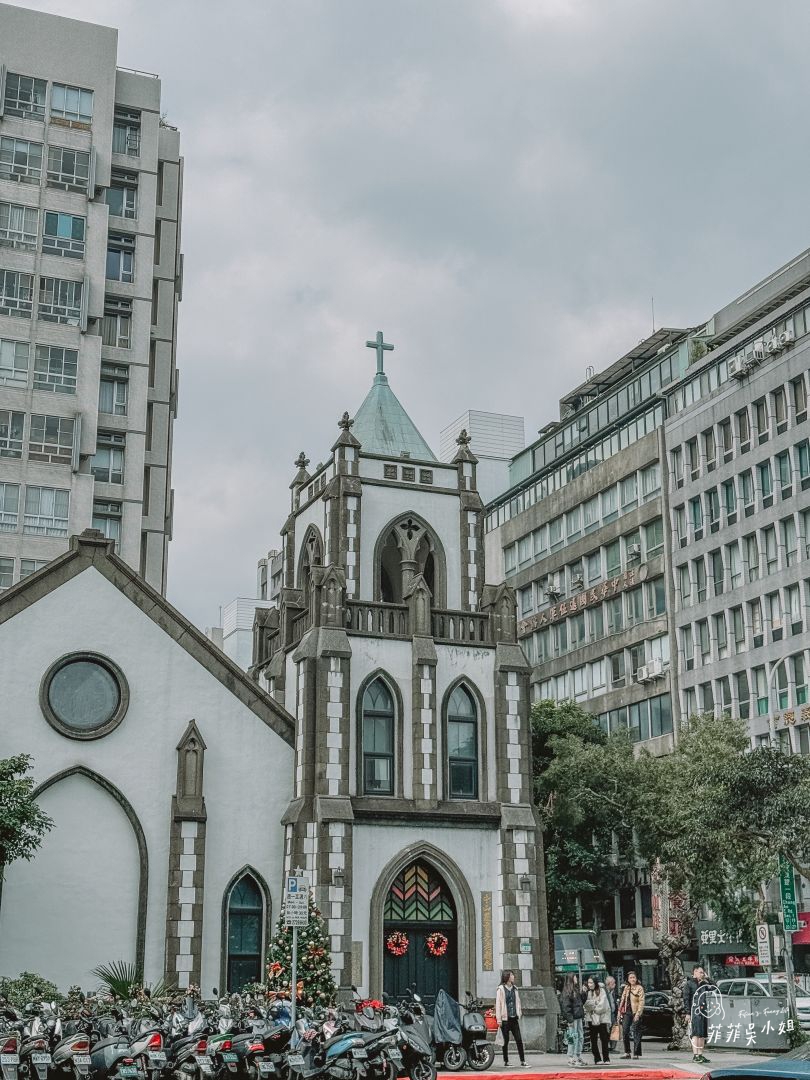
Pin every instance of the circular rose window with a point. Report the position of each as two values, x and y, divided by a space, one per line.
84 696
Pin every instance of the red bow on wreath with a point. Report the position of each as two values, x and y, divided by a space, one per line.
397 943
436 944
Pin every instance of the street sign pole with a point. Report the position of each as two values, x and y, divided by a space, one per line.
790 923
764 951
296 914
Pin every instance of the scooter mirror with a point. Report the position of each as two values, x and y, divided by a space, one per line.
215 992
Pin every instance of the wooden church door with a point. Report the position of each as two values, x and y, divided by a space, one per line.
420 935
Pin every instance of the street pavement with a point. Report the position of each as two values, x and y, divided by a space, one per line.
656 1064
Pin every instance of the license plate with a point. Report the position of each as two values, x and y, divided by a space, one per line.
82 1059
41 1059
359 1052
9 1059
157 1058
395 1055
128 1070
227 1055
296 1060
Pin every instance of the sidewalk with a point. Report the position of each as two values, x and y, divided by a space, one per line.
656 1064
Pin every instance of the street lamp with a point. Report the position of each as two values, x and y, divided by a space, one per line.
773 704
525 882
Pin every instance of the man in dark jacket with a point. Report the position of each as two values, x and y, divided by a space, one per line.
573 1012
700 998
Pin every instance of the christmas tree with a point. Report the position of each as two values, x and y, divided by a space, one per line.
315 983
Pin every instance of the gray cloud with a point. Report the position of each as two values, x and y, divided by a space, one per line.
500 185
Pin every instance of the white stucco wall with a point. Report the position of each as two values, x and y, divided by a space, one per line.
248 768
76 905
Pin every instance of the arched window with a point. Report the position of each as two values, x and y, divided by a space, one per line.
462 745
404 549
245 922
378 739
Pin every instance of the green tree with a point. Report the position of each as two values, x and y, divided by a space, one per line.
314 976
22 823
584 786
713 816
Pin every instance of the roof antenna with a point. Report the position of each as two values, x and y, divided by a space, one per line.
652 305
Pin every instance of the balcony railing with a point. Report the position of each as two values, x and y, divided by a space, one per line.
380 620
466 626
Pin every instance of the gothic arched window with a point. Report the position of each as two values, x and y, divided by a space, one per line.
378 739
245 923
462 745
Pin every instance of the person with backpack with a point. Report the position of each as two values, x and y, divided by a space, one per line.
573 1013
701 1000
507 1013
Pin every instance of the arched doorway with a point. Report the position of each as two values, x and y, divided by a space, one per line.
419 904
245 919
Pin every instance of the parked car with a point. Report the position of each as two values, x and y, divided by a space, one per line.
759 989
657 1022
794 1065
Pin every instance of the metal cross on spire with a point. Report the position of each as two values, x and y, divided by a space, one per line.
382 347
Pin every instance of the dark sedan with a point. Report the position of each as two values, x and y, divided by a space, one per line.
657 1020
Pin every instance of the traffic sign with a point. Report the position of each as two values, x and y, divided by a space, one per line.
787 889
296 902
764 945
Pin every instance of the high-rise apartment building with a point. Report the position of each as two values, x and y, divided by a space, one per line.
90 278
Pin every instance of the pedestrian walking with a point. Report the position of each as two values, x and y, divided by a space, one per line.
508 1013
597 1014
631 1010
573 1013
701 1000
610 990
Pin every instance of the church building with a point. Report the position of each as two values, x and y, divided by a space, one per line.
411 809
380 741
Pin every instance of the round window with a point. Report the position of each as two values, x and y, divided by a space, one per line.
84 696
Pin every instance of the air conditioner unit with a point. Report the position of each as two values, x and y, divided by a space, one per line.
552 594
736 367
773 346
641 673
655 669
758 351
787 337
634 551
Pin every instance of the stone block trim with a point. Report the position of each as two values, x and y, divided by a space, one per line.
471 532
426 780
183 957
333 726
337 904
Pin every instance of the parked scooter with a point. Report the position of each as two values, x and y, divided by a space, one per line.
479 1051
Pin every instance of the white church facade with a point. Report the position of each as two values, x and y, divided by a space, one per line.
380 741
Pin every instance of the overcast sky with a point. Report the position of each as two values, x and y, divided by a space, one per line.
499 185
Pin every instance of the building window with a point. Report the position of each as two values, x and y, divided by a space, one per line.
31 566
56 369
18 226
60 301
9 507
11 433
16 294
69 169
51 439
72 103
46 511
107 518
63 234
116 327
378 739
13 362
660 715
121 260
24 97
462 745
245 922
113 388
20 160
107 464
122 194
126 131
6 572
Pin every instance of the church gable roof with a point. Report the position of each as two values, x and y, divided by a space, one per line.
383 427
91 549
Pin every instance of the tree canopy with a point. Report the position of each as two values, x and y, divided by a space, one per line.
22 823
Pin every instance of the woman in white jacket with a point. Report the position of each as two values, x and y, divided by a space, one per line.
508 1013
597 1017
